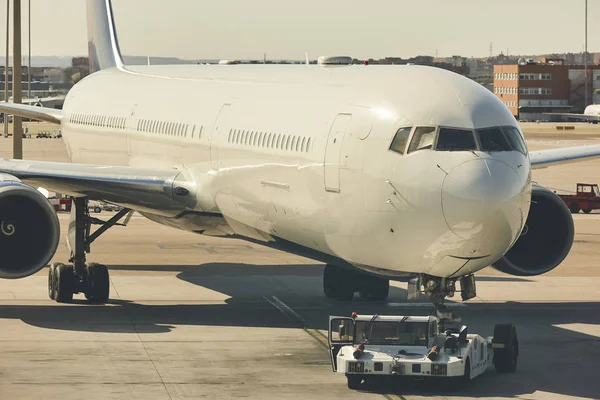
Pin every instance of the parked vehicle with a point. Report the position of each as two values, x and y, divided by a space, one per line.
587 198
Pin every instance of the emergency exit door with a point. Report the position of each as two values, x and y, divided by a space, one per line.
333 152
219 136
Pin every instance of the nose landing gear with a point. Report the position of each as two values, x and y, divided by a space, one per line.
438 289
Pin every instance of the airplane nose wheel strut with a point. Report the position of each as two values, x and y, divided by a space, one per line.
79 277
437 289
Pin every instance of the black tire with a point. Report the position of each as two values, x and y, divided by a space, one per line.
338 283
374 288
506 348
587 210
461 382
97 210
354 381
64 283
574 208
51 270
98 283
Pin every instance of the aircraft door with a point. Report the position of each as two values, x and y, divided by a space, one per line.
333 152
341 333
219 134
130 127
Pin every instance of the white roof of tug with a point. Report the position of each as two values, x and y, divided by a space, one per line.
394 318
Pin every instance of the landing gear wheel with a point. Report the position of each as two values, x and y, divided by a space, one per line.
506 348
587 210
98 283
354 381
338 283
51 273
63 283
574 208
374 288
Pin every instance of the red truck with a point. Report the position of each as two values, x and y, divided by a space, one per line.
587 198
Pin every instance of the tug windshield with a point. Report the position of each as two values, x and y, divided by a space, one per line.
392 333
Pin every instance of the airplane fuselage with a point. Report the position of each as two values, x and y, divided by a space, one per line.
299 158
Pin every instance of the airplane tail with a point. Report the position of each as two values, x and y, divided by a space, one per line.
103 46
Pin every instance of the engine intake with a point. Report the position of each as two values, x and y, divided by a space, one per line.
29 230
546 239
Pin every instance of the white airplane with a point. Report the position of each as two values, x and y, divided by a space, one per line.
590 114
381 172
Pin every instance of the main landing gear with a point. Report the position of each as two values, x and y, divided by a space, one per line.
438 289
79 277
341 284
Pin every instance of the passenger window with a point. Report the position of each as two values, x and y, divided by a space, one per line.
399 143
450 139
492 139
514 137
422 139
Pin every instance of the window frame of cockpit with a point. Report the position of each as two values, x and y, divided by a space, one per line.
408 139
412 134
474 132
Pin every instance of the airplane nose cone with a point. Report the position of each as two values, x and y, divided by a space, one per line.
482 201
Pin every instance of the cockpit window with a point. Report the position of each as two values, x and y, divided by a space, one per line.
514 137
492 139
422 139
450 139
399 143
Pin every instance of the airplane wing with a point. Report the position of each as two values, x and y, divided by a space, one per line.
546 158
581 117
136 188
28 111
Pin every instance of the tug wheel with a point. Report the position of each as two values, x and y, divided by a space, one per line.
354 381
506 348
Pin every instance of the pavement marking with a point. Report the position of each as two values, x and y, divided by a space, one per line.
319 337
425 305
285 309
394 396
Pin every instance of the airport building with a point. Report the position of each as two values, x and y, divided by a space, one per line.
531 90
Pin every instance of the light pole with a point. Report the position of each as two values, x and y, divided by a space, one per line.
585 61
6 67
17 99
29 63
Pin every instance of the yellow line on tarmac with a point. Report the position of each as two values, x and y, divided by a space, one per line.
394 396
318 336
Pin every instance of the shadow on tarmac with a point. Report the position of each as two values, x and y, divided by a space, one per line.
553 359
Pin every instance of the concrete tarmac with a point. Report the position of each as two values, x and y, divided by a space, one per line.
196 317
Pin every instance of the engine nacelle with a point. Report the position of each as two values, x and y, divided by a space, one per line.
546 239
29 230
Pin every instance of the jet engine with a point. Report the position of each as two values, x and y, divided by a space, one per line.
546 239
29 230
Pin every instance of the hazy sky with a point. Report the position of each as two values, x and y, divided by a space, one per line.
287 29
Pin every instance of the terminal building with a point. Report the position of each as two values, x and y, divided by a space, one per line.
531 89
